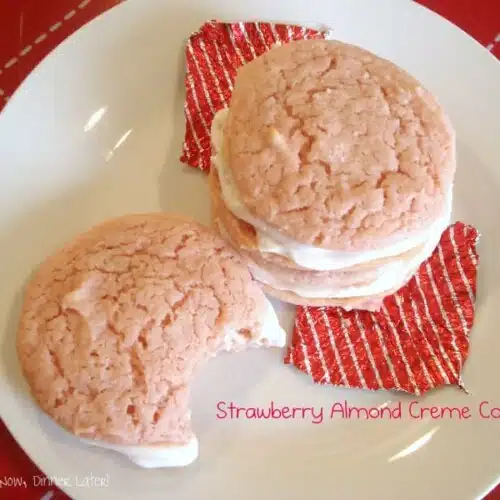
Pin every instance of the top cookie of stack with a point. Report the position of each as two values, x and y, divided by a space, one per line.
333 173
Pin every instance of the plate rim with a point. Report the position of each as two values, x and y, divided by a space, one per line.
115 11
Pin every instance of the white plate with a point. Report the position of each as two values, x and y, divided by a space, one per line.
96 131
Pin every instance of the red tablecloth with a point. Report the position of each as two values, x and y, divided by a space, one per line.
30 29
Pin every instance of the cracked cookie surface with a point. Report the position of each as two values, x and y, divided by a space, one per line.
243 237
336 147
116 322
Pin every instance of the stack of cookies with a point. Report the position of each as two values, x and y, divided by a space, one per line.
332 173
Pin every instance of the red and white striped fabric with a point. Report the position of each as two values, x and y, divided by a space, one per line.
30 29
416 342
42 26
419 340
213 55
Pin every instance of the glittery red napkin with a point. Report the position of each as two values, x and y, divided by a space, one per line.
416 342
213 55
419 339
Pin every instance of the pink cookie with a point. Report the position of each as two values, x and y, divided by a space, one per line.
337 148
243 237
284 280
116 323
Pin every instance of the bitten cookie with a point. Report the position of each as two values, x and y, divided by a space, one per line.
116 323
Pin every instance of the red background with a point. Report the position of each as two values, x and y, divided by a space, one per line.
30 29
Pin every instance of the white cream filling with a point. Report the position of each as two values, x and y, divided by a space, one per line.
147 456
153 456
271 334
389 277
308 256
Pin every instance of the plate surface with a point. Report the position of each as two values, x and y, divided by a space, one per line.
96 131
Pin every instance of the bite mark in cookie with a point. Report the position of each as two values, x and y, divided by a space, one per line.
116 323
